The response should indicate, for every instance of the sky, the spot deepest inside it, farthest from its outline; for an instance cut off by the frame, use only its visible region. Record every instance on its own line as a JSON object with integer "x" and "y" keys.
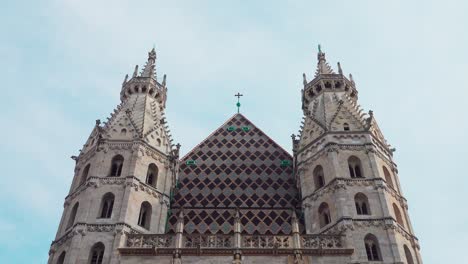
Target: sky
{"x": 62, "y": 63}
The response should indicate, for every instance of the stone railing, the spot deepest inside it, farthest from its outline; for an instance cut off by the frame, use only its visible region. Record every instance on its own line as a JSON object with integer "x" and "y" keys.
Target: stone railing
{"x": 150, "y": 241}
{"x": 265, "y": 241}
{"x": 321, "y": 241}
{"x": 208, "y": 241}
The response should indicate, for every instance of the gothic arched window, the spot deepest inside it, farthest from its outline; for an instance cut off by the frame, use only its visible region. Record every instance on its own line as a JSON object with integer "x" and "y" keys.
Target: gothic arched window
{"x": 152, "y": 175}
{"x": 116, "y": 166}
{"x": 388, "y": 177}
{"x": 71, "y": 218}
{"x": 97, "y": 253}
{"x": 346, "y": 127}
{"x": 61, "y": 259}
{"x": 324, "y": 214}
{"x": 158, "y": 142}
{"x": 372, "y": 248}
{"x": 399, "y": 219}
{"x": 84, "y": 175}
{"x": 107, "y": 205}
{"x": 354, "y": 165}
{"x": 362, "y": 204}
{"x": 319, "y": 179}
{"x": 144, "y": 217}
{"x": 409, "y": 257}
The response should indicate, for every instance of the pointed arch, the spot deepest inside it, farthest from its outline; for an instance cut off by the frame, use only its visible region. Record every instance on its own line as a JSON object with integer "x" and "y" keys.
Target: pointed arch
{"x": 362, "y": 204}
{"x": 319, "y": 179}
{"x": 388, "y": 177}
{"x": 97, "y": 253}
{"x": 107, "y": 204}
{"x": 116, "y": 166}
{"x": 144, "y": 217}
{"x": 346, "y": 127}
{"x": 372, "y": 248}
{"x": 72, "y": 216}
{"x": 61, "y": 259}
{"x": 84, "y": 174}
{"x": 152, "y": 175}
{"x": 409, "y": 257}
{"x": 324, "y": 214}
{"x": 398, "y": 216}
{"x": 355, "y": 168}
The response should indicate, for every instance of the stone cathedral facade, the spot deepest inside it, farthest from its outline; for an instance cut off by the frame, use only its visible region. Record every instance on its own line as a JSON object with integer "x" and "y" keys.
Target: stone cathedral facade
{"x": 237, "y": 197}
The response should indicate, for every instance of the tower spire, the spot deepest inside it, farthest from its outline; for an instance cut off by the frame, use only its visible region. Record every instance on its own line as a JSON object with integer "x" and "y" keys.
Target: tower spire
{"x": 149, "y": 69}
{"x": 322, "y": 65}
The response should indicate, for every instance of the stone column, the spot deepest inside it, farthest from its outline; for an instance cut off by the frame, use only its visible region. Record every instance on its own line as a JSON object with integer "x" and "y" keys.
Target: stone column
{"x": 179, "y": 238}
{"x": 237, "y": 239}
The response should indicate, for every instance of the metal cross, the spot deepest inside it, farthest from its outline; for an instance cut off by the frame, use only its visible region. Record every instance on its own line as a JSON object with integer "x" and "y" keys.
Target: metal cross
{"x": 238, "y": 95}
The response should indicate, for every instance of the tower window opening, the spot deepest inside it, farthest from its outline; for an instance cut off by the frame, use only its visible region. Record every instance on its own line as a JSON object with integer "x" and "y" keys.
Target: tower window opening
{"x": 318, "y": 88}
{"x": 362, "y": 204}
{"x": 372, "y": 248}
{"x": 136, "y": 89}
{"x": 144, "y": 217}
{"x": 388, "y": 177}
{"x": 144, "y": 89}
{"x": 346, "y": 127}
{"x": 311, "y": 93}
{"x": 338, "y": 85}
{"x": 107, "y": 205}
{"x": 399, "y": 219}
{"x": 158, "y": 142}
{"x": 354, "y": 165}
{"x": 61, "y": 259}
{"x": 123, "y": 132}
{"x": 116, "y": 166}
{"x": 152, "y": 175}
{"x": 84, "y": 175}
{"x": 319, "y": 179}
{"x": 71, "y": 218}
{"x": 409, "y": 257}
{"x": 328, "y": 85}
{"x": 97, "y": 253}
{"x": 324, "y": 214}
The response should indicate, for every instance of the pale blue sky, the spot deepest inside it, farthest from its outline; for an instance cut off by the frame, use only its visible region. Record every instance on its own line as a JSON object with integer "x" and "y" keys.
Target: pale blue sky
{"x": 62, "y": 63}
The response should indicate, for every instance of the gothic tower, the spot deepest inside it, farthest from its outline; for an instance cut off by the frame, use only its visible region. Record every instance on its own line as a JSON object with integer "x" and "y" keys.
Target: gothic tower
{"x": 124, "y": 176}
{"x": 346, "y": 173}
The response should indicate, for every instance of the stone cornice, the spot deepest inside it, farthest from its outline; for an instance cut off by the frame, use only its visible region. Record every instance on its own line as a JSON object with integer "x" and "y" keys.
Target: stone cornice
{"x": 83, "y": 228}
{"x": 131, "y": 181}
{"x": 341, "y": 184}
{"x": 344, "y": 224}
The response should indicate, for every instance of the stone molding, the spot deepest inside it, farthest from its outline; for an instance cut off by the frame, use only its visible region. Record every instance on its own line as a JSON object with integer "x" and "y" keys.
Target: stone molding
{"x": 131, "y": 181}
{"x": 342, "y": 183}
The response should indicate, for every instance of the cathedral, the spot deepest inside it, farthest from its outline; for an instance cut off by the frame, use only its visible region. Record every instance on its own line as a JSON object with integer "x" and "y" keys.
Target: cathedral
{"x": 237, "y": 197}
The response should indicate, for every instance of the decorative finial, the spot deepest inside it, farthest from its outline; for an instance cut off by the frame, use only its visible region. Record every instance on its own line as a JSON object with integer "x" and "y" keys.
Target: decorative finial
{"x": 304, "y": 79}
{"x": 238, "y": 95}
{"x": 340, "y": 71}
{"x": 125, "y": 79}
{"x": 135, "y": 72}
{"x": 351, "y": 78}
{"x": 319, "y": 48}
{"x": 164, "y": 80}
{"x": 98, "y": 122}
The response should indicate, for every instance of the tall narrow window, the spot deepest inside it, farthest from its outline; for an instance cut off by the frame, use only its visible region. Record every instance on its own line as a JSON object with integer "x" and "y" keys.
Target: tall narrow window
{"x": 107, "y": 205}
{"x": 318, "y": 177}
{"x": 372, "y": 248}
{"x": 346, "y": 127}
{"x": 145, "y": 215}
{"x": 324, "y": 214}
{"x": 71, "y": 218}
{"x": 116, "y": 166}
{"x": 61, "y": 259}
{"x": 388, "y": 177}
{"x": 97, "y": 253}
{"x": 354, "y": 165}
{"x": 399, "y": 219}
{"x": 84, "y": 175}
{"x": 152, "y": 175}
{"x": 362, "y": 204}
{"x": 409, "y": 257}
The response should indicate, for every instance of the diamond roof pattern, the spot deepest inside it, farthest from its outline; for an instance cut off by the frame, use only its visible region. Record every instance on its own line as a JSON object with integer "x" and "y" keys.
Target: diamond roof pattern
{"x": 237, "y": 166}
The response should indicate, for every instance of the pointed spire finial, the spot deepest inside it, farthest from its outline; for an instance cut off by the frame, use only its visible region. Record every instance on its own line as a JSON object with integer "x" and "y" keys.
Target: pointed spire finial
{"x": 340, "y": 71}
{"x": 150, "y": 67}
{"x": 135, "y": 72}
{"x": 304, "y": 79}
{"x": 164, "y": 80}
{"x": 125, "y": 79}
{"x": 319, "y": 48}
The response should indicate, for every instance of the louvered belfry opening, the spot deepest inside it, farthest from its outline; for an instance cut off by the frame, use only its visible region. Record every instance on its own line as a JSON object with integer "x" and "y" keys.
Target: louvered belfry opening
{"x": 237, "y": 166}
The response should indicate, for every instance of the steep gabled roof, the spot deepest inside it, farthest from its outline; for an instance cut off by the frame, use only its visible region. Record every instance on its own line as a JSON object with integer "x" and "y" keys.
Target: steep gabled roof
{"x": 237, "y": 166}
